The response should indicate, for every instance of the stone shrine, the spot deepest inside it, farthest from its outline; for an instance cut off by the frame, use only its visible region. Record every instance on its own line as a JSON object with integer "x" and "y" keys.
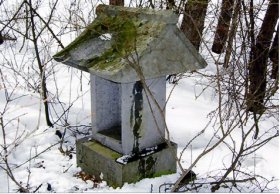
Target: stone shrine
{"x": 121, "y": 49}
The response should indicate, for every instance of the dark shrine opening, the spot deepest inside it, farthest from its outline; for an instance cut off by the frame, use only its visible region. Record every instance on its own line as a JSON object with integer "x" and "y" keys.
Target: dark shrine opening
{"x": 108, "y": 106}
{"x": 113, "y": 132}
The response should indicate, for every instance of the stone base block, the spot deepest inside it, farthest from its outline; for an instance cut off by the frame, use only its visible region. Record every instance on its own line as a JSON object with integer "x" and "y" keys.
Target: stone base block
{"x": 116, "y": 169}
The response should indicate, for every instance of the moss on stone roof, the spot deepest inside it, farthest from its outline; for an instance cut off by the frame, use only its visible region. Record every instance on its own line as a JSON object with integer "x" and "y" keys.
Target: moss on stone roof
{"x": 126, "y": 29}
{"x": 120, "y": 33}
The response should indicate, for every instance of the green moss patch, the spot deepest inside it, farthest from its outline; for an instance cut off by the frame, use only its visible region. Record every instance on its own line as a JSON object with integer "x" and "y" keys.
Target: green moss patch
{"x": 123, "y": 41}
{"x": 126, "y": 31}
{"x": 162, "y": 173}
{"x": 106, "y": 152}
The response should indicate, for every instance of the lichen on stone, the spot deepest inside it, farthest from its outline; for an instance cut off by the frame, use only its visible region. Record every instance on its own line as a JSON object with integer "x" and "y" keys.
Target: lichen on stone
{"x": 128, "y": 34}
{"x": 139, "y": 36}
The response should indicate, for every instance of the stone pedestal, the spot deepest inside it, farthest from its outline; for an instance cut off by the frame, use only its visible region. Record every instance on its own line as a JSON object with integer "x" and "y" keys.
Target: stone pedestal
{"x": 116, "y": 169}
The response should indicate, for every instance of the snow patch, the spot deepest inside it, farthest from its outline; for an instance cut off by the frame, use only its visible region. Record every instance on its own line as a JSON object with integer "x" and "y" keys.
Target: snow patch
{"x": 145, "y": 152}
{"x": 106, "y": 36}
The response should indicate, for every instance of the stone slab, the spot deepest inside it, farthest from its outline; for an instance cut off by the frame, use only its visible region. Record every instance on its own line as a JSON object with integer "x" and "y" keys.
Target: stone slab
{"x": 95, "y": 159}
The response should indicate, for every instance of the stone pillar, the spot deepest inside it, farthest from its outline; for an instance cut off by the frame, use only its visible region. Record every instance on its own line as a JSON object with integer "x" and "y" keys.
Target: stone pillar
{"x": 139, "y": 129}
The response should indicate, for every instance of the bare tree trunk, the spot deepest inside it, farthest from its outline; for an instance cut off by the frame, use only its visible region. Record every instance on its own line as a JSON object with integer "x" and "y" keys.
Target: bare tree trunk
{"x": 193, "y": 20}
{"x": 170, "y": 4}
{"x": 221, "y": 33}
{"x": 274, "y": 55}
{"x": 258, "y": 64}
{"x": 117, "y": 2}
{"x": 1, "y": 38}
{"x": 232, "y": 34}
{"x": 41, "y": 67}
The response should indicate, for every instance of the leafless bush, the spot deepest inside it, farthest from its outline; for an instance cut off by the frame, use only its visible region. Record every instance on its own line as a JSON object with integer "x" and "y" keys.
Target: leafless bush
{"x": 31, "y": 31}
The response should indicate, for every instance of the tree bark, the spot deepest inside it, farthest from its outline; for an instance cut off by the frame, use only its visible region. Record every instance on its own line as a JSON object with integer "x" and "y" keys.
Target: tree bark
{"x": 258, "y": 64}
{"x": 193, "y": 20}
{"x": 274, "y": 55}
{"x": 1, "y": 38}
{"x": 221, "y": 34}
{"x": 117, "y": 2}
{"x": 170, "y": 4}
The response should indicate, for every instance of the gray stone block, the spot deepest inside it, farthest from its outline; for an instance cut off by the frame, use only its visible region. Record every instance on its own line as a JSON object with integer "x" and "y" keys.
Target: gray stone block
{"x": 95, "y": 159}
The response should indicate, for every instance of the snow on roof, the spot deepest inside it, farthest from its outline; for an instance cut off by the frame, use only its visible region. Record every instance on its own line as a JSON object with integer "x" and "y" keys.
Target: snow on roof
{"x": 121, "y": 37}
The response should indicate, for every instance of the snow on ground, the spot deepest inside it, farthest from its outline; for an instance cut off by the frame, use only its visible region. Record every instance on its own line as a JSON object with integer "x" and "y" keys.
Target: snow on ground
{"x": 51, "y": 171}
{"x": 36, "y": 159}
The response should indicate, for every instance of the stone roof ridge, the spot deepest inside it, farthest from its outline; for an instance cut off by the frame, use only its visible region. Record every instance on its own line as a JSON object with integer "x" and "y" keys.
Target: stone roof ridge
{"x": 166, "y": 16}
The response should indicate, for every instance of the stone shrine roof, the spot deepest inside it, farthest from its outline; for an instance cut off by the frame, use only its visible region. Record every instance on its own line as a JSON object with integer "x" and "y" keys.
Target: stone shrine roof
{"x": 120, "y": 37}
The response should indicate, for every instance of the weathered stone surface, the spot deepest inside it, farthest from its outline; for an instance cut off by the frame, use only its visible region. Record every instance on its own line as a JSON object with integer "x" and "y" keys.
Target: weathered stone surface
{"x": 121, "y": 116}
{"x": 120, "y": 36}
{"x": 123, "y": 123}
{"x": 95, "y": 159}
